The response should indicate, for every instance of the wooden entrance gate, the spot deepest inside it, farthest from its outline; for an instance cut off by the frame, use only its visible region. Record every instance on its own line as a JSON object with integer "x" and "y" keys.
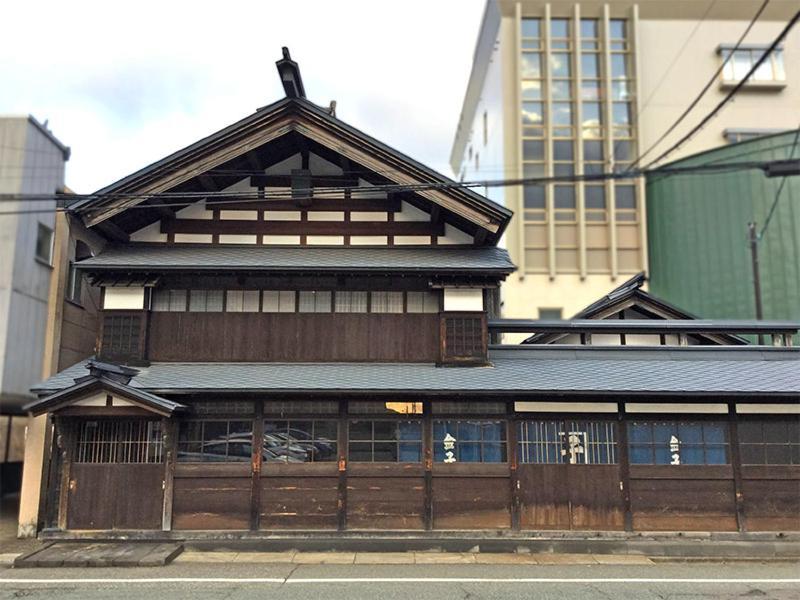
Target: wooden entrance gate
{"x": 569, "y": 475}
{"x": 116, "y": 475}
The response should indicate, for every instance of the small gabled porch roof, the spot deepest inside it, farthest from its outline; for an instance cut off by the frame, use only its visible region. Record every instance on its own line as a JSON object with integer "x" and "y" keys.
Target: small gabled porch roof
{"x": 110, "y": 381}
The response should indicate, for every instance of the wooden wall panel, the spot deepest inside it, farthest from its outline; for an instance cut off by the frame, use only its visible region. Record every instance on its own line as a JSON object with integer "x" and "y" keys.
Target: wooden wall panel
{"x": 471, "y": 503}
{"x": 211, "y": 503}
{"x": 140, "y": 496}
{"x": 302, "y": 502}
{"x": 771, "y": 497}
{"x": 544, "y": 496}
{"x": 595, "y": 497}
{"x": 683, "y": 499}
{"x": 115, "y": 496}
{"x": 385, "y": 502}
{"x": 89, "y": 491}
{"x": 580, "y": 497}
{"x": 293, "y": 337}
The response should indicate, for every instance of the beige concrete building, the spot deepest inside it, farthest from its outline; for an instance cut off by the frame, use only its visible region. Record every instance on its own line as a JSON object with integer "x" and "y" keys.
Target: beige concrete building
{"x": 561, "y": 88}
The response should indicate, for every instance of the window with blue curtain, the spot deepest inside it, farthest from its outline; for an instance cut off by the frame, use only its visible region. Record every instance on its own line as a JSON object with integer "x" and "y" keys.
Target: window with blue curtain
{"x": 469, "y": 441}
{"x": 678, "y": 442}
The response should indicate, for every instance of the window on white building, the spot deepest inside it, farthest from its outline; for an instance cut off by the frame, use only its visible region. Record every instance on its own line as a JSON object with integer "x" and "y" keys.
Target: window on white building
{"x": 740, "y": 61}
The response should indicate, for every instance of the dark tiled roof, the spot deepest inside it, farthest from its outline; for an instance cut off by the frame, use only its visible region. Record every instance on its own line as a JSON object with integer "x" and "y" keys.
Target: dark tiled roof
{"x": 301, "y": 258}
{"x": 516, "y": 369}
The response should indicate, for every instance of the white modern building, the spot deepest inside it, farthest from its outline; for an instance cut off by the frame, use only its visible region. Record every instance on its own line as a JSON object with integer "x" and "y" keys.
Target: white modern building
{"x": 561, "y": 88}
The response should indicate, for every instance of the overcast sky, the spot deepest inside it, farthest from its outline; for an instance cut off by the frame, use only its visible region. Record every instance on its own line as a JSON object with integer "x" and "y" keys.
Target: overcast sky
{"x": 125, "y": 84}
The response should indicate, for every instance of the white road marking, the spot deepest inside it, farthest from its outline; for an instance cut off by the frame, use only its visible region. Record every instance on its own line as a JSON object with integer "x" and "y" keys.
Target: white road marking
{"x": 280, "y": 580}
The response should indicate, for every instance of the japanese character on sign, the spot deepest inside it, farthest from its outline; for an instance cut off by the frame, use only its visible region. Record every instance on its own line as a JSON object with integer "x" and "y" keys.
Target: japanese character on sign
{"x": 675, "y": 448}
{"x": 449, "y": 446}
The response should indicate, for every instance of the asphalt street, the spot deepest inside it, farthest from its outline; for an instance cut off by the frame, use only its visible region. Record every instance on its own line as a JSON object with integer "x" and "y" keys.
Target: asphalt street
{"x": 780, "y": 581}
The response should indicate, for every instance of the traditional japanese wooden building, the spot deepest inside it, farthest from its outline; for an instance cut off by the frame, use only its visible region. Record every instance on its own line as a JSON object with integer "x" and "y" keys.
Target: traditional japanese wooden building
{"x": 295, "y": 335}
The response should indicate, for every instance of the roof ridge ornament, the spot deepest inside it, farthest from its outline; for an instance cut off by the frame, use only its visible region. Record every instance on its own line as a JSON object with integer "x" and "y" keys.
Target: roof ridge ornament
{"x": 110, "y": 371}
{"x": 289, "y": 72}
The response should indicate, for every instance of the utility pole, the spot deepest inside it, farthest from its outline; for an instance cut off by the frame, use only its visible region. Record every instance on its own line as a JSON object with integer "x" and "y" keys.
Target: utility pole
{"x": 756, "y": 277}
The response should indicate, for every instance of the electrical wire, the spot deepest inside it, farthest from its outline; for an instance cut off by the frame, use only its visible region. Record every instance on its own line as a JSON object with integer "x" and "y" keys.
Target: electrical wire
{"x": 730, "y": 94}
{"x": 220, "y": 199}
{"x": 708, "y": 85}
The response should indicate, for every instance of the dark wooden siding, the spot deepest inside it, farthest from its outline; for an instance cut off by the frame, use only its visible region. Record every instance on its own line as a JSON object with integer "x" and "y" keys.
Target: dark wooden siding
{"x": 684, "y": 498}
{"x": 302, "y": 496}
{"x": 208, "y": 496}
{"x": 471, "y": 496}
{"x": 771, "y": 497}
{"x": 116, "y": 496}
{"x": 581, "y": 497}
{"x": 385, "y": 496}
{"x": 293, "y": 337}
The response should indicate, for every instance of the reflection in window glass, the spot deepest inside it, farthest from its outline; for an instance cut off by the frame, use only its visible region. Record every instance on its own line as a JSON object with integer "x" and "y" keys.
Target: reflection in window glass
{"x": 678, "y": 443}
{"x": 300, "y": 441}
{"x": 592, "y": 116}
{"x": 590, "y": 90}
{"x": 531, "y": 90}
{"x": 621, "y": 113}
{"x": 532, "y": 113}
{"x": 469, "y": 441}
{"x": 590, "y": 65}
{"x": 593, "y": 150}
{"x": 618, "y": 29}
{"x": 561, "y": 90}
{"x": 560, "y": 64}
{"x": 559, "y": 28}
{"x": 385, "y": 441}
{"x": 619, "y": 66}
{"x": 215, "y": 441}
{"x": 531, "y": 28}
{"x": 562, "y": 113}
{"x": 531, "y": 65}
{"x": 588, "y": 28}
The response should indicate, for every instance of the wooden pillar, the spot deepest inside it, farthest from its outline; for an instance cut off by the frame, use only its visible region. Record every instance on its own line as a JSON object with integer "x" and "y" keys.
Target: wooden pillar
{"x": 64, "y": 441}
{"x": 512, "y": 464}
{"x": 341, "y": 504}
{"x": 736, "y": 463}
{"x": 427, "y": 450}
{"x": 624, "y": 464}
{"x": 170, "y": 441}
{"x": 256, "y": 460}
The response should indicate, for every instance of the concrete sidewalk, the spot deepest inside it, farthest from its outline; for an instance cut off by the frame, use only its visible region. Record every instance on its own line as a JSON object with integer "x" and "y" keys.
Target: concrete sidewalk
{"x": 408, "y": 558}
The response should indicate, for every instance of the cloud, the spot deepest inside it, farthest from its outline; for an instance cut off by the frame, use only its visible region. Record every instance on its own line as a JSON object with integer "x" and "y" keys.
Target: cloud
{"x": 124, "y": 85}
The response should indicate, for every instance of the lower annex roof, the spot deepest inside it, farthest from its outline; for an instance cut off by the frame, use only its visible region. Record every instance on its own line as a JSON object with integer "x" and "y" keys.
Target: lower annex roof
{"x": 515, "y": 370}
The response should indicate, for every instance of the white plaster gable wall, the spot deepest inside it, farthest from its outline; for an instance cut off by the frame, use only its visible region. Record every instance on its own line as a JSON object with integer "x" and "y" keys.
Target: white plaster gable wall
{"x": 151, "y": 233}
{"x": 198, "y": 210}
{"x": 411, "y": 213}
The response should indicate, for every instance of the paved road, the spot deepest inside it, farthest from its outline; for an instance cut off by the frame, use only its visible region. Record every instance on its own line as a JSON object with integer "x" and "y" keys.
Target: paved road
{"x": 747, "y": 581}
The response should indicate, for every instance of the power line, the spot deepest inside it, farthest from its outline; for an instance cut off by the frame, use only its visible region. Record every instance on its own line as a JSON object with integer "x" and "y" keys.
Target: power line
{"x": 780, "y": 189}
{"x": 730, "y": 94}
{"x": 220, "y": 199}
{"x": 708, "y": 85}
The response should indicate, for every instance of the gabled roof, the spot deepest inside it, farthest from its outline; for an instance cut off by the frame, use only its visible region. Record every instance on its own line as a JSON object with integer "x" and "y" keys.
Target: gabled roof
{"x": 158, "y": 258}
{"x": 87, "y": 386}
{"x": 270, "y": 123}
{"x": 631, "y": 295}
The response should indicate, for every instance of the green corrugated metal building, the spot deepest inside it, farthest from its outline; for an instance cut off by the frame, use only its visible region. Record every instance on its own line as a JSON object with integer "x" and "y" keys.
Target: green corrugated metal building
{"x": 698, "y": 236}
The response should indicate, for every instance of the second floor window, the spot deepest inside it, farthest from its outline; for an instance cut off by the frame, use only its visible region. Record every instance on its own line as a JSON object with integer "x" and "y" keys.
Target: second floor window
{"x": 742, "y": 60}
